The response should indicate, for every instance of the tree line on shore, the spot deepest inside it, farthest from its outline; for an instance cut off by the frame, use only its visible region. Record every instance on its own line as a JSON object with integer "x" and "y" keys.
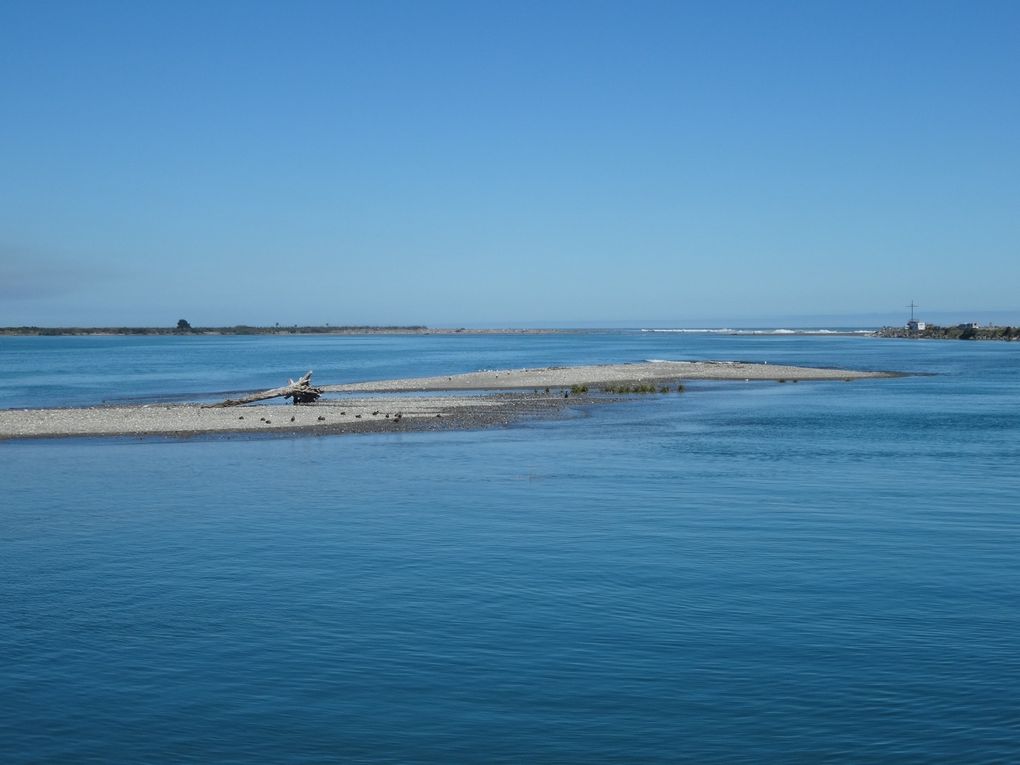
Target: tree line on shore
{"x": 184, "y": 328}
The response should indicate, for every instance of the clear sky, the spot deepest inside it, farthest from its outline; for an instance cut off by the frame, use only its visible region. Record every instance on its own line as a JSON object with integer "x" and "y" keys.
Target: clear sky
{"x": 479, "y": 163}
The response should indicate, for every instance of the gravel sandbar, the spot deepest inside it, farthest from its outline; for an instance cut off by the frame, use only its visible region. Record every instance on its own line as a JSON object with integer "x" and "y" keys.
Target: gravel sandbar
{"x": 606, "y": 374}
{"x": 349, "y": 414}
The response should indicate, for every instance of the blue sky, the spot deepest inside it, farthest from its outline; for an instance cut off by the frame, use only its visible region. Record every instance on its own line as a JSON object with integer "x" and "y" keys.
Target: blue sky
{"x": 483, "y": 163}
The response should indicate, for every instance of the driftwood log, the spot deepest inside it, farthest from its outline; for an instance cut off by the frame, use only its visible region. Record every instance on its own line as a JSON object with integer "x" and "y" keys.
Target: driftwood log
{"x": 301, "y": 391}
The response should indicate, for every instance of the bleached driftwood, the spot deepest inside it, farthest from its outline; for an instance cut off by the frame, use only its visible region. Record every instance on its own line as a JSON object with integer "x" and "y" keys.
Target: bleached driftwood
{"x": 301, "y": 391}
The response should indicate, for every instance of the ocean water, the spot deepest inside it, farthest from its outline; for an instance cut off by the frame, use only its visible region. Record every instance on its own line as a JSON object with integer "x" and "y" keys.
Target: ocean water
{"x": 747, "y": 572}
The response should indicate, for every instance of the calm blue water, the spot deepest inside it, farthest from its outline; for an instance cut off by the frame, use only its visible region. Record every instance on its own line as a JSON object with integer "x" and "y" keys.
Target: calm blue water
{"x": 746, "y": 572}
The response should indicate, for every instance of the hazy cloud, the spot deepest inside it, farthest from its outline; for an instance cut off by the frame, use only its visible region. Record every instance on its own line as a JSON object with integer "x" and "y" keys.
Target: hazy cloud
{"x": 31, "y": 275}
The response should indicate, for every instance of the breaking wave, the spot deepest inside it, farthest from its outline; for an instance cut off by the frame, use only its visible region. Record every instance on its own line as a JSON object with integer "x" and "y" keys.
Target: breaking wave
{"x": 767, "y": 331}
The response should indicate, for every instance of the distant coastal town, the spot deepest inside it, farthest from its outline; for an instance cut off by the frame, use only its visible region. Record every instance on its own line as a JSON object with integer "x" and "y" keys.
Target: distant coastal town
{"x": 918, "y": 329}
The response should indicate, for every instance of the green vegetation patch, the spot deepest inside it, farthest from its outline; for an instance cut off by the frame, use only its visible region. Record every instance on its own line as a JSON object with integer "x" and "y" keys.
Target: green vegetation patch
{"x": 639, "y": 388}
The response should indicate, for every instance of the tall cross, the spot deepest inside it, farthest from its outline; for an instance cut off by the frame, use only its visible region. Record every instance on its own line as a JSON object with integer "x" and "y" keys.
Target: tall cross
{"x": 912, "y": 306}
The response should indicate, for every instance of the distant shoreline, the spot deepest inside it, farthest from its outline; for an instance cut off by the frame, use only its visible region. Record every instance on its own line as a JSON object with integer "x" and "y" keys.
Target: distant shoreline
{"x": 954, "y": 332}
{"x": 32, "y": 331}
{"x": 932, "y": 332}
{"x": 244, "y": 330}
